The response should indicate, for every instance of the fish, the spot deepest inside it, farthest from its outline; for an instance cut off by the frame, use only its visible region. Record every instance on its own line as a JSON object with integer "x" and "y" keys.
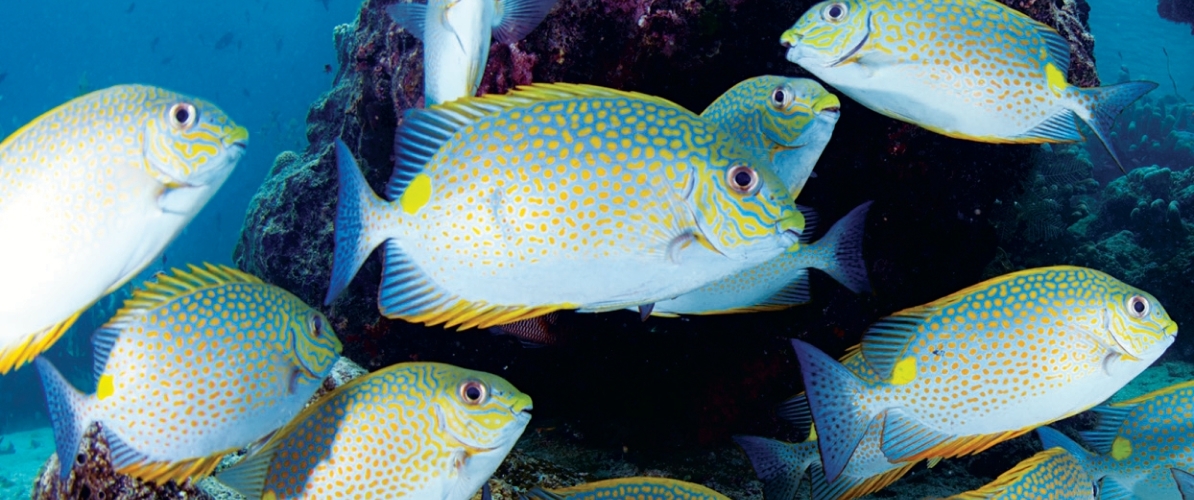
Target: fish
{"x": 556, "y": 196}
{"x": 196, "y": 364}
{"x": 970, "y": 69}
{"x": 1136, "y": 442}
{"x": 535, "y": 332}
{"x": 415, "y": 430}
{"x": 791, "y": 119}
{"x": 1185, "y": 483}
{"x": 638, "y": 488}
{"x": 91, "y": 192}
{"x": 225, "y": 40}
{"x": 1052, "y": 474}
{"x": 781, "y": 466}
{"x": 456, "y": 37}
{"x": 985, "y": 364}
{"x": 783, "y": 281}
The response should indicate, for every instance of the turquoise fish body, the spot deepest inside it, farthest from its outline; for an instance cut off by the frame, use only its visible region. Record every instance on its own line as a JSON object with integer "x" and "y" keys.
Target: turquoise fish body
{"x": 197, "y": 364}
{"x": 557, "y": 196}
{"x": 985, "y": 364}
{"x": 971, "y": 69}
{"x": 1136, "y": 443}
{"x": 790, "y": 119}
{"x": 1052, "y": 474}
{"x": 639, "y": 488}
{"x": 91, "y": 192}
{"x": 412, "y": 430}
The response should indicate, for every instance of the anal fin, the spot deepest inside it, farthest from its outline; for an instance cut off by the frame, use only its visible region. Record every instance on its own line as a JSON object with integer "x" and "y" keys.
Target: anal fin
{"x": 906, "y": 439}
{"x": 409, "y": 294}
{"x": 849, "y": 487}
{"x": 30, "y": 346}
{"x": 1061, "y": 127}
{"x": 131, "y": 462}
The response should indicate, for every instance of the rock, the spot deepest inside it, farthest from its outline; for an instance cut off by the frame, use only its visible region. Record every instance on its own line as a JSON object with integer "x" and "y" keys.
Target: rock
{"x": 93, "y": 477}
{"x": 1178, "y": 11}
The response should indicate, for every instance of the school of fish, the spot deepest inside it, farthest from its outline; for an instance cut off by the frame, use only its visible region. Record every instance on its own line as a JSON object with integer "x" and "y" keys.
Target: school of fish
{"x": 503, "y": 210}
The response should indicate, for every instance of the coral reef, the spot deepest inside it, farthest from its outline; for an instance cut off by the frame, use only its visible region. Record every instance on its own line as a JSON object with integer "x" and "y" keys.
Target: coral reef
{"x": 1178, "y": 11}
{"x": 1153, "y": 131}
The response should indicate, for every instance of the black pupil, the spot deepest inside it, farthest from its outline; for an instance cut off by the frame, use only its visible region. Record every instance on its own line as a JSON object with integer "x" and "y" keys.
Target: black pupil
{"x": 835, "y": 11}
{"x": 472, "y": 393}
{"x": 779, "y": 96}
{"x": 318, "y": 326}
{"x": 1138, "y": 305}
{"x": 181, "y": 114}
{"x": 742, "y": 179}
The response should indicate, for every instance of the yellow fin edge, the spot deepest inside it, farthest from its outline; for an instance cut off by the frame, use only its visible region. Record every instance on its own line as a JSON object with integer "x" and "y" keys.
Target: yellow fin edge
{"x": 29, "y": 347}
{"x": 162, "y": 472}
{"x": 463, "y": 314}
{"x": 876, "y": 483}
{"x": 968, "y": 445}
{"x": 1001, "y": 483}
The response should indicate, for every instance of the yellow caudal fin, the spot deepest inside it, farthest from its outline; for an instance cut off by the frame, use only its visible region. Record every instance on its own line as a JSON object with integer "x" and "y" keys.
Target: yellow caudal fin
{"x": 30, "y": 346}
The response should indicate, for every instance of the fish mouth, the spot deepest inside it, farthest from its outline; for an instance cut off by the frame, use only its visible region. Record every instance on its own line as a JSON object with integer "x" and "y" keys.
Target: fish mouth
{"x": 238, "y": 138}
{"x": 841, "y": 60}
{"x": 828, "y": 105}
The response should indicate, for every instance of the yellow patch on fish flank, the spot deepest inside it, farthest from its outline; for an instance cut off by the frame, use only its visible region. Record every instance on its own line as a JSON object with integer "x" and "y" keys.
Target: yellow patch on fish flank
{"x": 105, "y": 388}
{"x": 417, "y": 194}
{"x": 1121, "y": 448}
{"x": 1056, "y": 79}
{"x": 904, "y": 372}
{"x": 269, "y": 495}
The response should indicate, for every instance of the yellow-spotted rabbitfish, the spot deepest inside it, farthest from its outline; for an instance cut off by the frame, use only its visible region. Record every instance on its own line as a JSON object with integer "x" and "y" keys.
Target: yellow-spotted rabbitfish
{"x": 638, "y": 488}
{"x": 1052, "y": 474}
{"x": 985, "y": 364}
{"x": 791, "y": 119}
{"x": 456, "y": 38}
{"x": 413, "y": 430}
{"x": 1136, "y": 443}
{"x": 197, "y": 364}
{"x": 554, "y": 197}
{"x": 783, "y": 281}
{"x": 90, "y": 193}
{"x": 971, "y": 69}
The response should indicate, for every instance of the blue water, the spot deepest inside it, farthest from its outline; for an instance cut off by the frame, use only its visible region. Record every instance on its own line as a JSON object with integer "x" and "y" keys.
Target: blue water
{"x": 265, "y": 74}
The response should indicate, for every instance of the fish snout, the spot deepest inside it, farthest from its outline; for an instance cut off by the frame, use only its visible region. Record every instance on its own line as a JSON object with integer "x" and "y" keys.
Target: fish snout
{"x": 828, "y": 105}
{"x": 237, "y": 138}
{"x": 790, "y": 38}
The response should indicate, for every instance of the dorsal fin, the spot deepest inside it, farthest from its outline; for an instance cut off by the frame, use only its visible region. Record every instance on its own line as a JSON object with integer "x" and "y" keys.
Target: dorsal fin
{"x": 164, "y": 288}
{"x": 1056, "y": 47}
{"x": 425, "y": 131}
{"x": 886, "y": 341}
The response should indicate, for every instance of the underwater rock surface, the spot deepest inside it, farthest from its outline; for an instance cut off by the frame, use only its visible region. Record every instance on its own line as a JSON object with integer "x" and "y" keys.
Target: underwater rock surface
{"x": 1178, "y": 11}
{"x": 664, "y": 388}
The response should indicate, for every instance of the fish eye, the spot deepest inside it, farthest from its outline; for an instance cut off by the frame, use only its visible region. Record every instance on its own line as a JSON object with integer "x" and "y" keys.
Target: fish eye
{"x": 473, "y": 392}
{"x": 779, "y": 98}
{"x": 835, "y": 12}
{"x": 742, "y": 179}
{"x": 317, "y": 326}
{"x": 183, "y": 116}
{"x": 1138, "y": 306}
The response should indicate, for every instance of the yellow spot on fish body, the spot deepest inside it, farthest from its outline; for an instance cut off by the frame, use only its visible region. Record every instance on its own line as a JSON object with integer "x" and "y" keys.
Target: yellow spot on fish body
{"x": 904, "y": 372}
{"x": 1121, "y": 448}
{"x": 269, "y": 495}
{"x": 1056, "y": 79}
{"x": 417, "y": 194}
{"x": 812, "y": 432}
{"x": 105, "y": 388}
